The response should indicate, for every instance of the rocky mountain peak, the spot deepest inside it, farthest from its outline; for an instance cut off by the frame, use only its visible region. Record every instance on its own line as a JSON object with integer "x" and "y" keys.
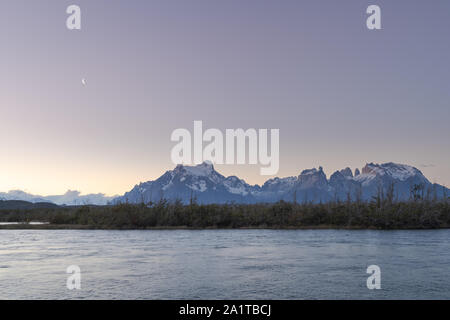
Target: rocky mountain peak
{"x": 347, "y": 172}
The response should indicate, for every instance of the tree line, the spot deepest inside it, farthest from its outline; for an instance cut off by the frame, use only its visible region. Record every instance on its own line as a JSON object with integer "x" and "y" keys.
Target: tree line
{"x": 380, "y": 213}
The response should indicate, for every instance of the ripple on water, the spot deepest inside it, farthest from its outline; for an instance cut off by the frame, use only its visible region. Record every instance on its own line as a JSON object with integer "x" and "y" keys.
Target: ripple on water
{"x": 224, "y": 264}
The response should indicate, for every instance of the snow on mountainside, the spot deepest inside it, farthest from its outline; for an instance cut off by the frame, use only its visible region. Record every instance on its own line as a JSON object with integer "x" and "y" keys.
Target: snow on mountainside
{"x": 279, "y": 184}
{"x": 399, "y": 172}
{"x": 204, "y": 184}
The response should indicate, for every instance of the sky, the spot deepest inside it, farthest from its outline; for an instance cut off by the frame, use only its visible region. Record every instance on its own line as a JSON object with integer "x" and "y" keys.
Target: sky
{"x": 340, "y": 94}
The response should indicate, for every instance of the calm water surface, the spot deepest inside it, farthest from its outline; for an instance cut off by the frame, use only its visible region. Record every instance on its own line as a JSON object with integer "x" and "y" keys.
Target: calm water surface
{"x": 224, "y": 264}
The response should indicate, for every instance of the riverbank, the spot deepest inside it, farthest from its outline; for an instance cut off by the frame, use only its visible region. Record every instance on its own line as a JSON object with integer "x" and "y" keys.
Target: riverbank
{"x": 281, "y": 215}
{"x": 92, "y": 227}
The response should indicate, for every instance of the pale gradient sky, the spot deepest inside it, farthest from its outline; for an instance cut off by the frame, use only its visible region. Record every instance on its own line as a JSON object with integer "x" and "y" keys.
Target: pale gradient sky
{"x": 340, "y": 94}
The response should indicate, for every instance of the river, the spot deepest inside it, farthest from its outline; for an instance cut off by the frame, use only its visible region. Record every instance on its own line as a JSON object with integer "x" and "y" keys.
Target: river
{"x": 224, "y": 264}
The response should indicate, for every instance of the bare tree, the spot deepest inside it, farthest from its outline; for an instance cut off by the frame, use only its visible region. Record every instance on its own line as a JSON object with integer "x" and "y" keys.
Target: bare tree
{"x": 390, "y": 193}
{"x": 358, "y": 194}
{"x": 416, "y": 192}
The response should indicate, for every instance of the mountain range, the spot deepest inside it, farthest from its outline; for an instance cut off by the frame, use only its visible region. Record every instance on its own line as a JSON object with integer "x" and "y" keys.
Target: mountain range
{"x": 204, "y": 184}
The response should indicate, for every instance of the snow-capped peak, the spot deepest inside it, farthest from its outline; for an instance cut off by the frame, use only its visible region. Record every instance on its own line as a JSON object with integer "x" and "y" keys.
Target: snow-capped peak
{"x": 208, "y": 186}
{"x": 397, "y": 171}
{"x": 204, "y": 169}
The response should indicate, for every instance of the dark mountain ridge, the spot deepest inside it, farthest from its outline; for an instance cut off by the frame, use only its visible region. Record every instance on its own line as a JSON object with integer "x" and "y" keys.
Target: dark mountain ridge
{"x": 204, "y": 184}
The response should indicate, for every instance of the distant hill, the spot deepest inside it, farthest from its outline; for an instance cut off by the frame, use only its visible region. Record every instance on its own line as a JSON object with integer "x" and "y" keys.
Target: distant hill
{"x": 70, "y": 198}
{"x": 25, "y": 205}
{"x": 204, "y": 184}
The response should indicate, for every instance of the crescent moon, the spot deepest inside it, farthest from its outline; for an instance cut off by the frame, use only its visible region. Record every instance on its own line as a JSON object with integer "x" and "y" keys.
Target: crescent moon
{"x": 83, "y": 82}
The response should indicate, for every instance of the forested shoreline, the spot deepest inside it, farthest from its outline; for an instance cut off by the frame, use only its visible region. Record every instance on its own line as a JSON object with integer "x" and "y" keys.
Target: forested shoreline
{"x": 163, "y": 214}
